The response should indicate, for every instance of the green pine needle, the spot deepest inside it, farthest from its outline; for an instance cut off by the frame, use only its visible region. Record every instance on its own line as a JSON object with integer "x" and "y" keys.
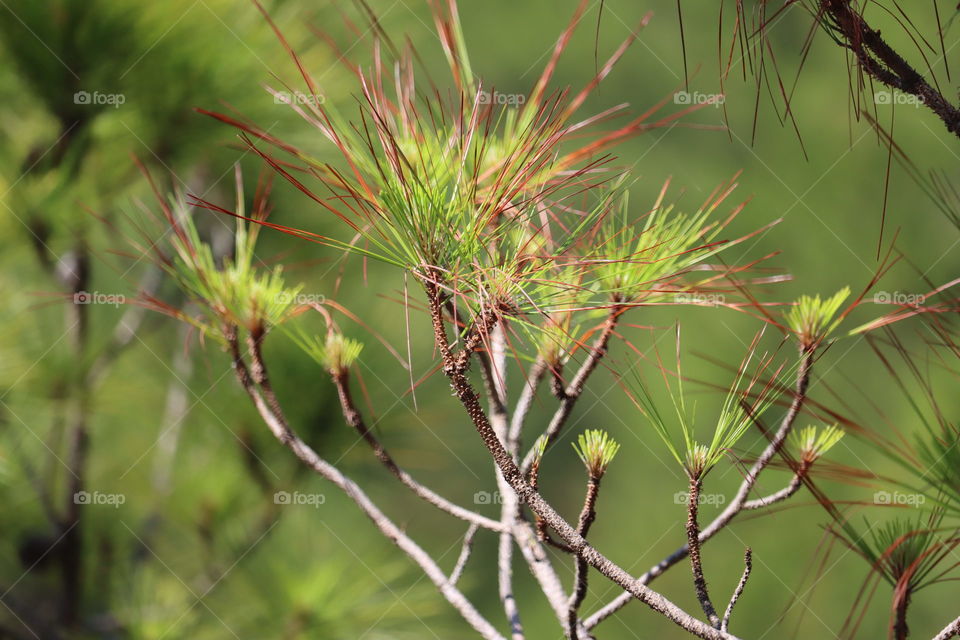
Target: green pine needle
{"x": 812, "y": 319}
{"x": 336, "y": 353}
{"x": 812, "y": 443}
{"x": 732, "y": 422}
{"x": 539, "y": 448}
{"x": 236, "y": 293}
{"x": 643, "y": 260}
{"x": 596, "y": 449}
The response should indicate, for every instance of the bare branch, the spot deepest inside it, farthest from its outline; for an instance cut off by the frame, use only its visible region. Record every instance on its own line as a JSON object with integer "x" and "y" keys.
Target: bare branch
{"x": 278, "y": 425}
{"x": 354, "y": 418}
{"x": 511, "y": 511}
{"x": 465, "y": 551}
{"x": 747, "y": 567}
{"x": 541, "y": 568}
{"x": 796, "y": 481}
{"x": 949, "y": 631}
{"x": 495, "y": 376}
{"x": 737, "y": 504}
{"x": 524, "y": 402}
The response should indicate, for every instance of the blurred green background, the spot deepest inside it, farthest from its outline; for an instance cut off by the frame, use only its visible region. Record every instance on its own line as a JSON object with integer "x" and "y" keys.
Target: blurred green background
{"x": 197, "y": 549}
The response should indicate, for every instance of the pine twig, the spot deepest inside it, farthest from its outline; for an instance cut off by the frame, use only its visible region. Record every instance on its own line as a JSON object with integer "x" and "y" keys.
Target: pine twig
{"x": 737, "y": 504}
{"x": 278, "y": 425}
{"x": 355, "y": 419}
{"x": 465, "y": 551}
{"x": 747, "y": 567}
{"x": 587, "y": 515}
{"x": 949, "y": 631}
{"x": 883, "y": 63}
{"x": 455, "y": 367}
{"x": 693, "y": 546}
{"x": 572, "y": 392}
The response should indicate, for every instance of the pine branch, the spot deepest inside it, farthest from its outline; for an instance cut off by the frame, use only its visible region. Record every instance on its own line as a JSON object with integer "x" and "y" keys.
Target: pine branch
{"x": 737, "y": 504}
{"x": 280, "y": 428}
{"x": 879, "y": 60}
{"x": 587, "y": 515}
{"x": 951, "y": 630}
{"x": 796, "y": 481}
{"x": 573, "y": 390}
{"x": 465, "y": 550}
{"x": 355, "y": 419}
{"x": 455, "y": 367}
{"x": 747, "y": 567}
{"x": 693, "y": 546}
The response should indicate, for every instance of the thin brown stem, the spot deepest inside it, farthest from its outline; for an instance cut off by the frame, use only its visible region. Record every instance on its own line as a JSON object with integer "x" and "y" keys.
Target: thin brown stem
{"x": 693, "y": 544}
{"x": 573, "y": 390}
{"x": 901, "y": 631}
{"x": 278, "y": 425}
{"x": 587, "y": 515}
{"x": 738, "y": 503}
{"x": 465, "y": 550}
{"x": 747, "y": 567}
{"x": 881, "y": 62}
{"x": 355, "y": 420}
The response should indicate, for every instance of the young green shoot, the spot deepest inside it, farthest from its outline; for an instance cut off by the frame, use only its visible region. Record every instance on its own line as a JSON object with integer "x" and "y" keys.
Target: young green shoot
{"x": 643, "y": 260}
{"x": 813, "y": 319}
{"x": 235, "y": 291}
{"x": 811, "y": 443}
{"x": 336, "y": 353}
{"x": 745, "y": 402}
{"x": 596, "y": 450}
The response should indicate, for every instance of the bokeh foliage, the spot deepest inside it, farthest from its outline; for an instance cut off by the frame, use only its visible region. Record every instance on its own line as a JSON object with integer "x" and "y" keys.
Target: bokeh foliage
{"x": 209, "y": 532}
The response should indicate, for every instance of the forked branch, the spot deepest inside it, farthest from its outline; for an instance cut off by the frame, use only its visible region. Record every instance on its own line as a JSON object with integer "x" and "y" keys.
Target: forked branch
{"x": 572, "y": 392}
{"x": 271, "y": 414}
{"x": 455, "y": 367}
{"x": 355, "y": 419}
{"x": 739, "y": 503}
